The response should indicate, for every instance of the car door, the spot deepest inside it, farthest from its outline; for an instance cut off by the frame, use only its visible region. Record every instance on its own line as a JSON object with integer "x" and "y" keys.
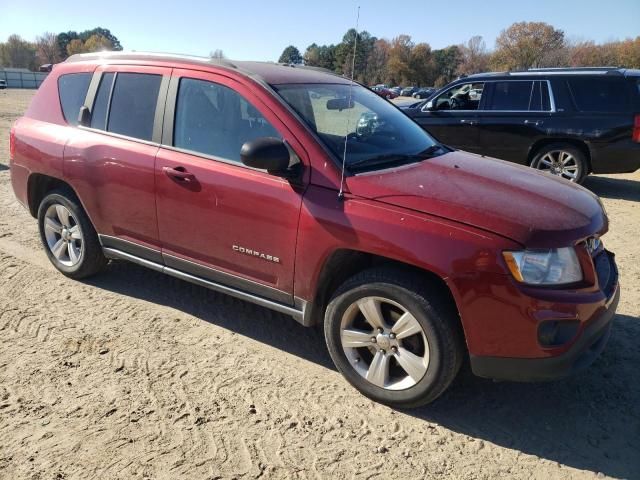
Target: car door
{"x": 516, "y": 114}
{"x": 452, "y": 116}
{"x": 110, "y": 160}
{"x": 218, "y": 219}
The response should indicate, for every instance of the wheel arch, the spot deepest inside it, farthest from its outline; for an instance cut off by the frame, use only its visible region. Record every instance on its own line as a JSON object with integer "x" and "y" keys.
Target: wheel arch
{"x": 545, "y": 142}
{"x": 39, "y": 185}
{"x": 345, "y": 263}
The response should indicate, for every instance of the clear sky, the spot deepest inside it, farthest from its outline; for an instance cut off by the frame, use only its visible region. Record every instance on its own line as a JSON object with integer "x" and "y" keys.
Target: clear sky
{"x": 260, "y": 29}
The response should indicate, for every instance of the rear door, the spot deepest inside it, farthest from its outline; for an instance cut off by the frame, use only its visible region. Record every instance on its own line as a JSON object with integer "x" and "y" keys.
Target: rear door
{"x": 454, "y": 117}
{"x": 110, "y": 162}
{"x": 217, "y": 218}
{"x": 515, "y": 114}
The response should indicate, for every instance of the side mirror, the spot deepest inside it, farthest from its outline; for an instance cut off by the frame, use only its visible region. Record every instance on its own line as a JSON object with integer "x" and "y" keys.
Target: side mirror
{"x": 84, "y": 116}
{"x": 430, "y": 106}
{"x": 266, "y": 153}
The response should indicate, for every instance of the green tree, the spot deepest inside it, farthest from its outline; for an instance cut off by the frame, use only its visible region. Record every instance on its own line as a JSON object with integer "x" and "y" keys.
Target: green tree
{"x": 18, "y": 53}
{"x": 97, "y": 43}
{"x": 290, "y": 55}
{"x": 65, "y": 38}
{"x": 446, "y": 62}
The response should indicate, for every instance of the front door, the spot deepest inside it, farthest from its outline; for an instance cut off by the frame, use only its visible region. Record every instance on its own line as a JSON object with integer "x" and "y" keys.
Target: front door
{"x": 218, "y": 219}
{"x": 453, "y": 119}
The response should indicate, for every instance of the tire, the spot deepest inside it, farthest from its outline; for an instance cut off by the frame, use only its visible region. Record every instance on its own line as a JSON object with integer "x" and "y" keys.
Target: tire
{"x": 433, "y": 320}
{"x": 563, "y": 160}
{"x": 78, "y": 253}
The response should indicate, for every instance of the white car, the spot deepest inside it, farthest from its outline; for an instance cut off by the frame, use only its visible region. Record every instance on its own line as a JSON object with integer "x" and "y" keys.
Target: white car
{"x": 3, "y": 84}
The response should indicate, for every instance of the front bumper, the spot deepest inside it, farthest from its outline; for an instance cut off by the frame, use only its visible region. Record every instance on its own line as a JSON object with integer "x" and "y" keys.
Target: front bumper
{"x": 582, "y": 353}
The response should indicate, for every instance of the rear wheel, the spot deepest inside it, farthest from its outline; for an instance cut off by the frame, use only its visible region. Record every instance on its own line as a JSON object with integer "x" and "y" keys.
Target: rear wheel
{"x": 69, "y": 239}
{"x": 563, "y": 160}
{"x": 396, "y": 341}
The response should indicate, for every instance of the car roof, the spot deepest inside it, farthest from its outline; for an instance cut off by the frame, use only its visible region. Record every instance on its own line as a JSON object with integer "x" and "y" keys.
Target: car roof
{"x": 545, "y": 72}
{"x": 269, "y": 72}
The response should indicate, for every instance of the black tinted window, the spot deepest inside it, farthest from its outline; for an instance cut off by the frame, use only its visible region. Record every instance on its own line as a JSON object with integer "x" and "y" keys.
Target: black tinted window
{"x": 540, "y": 97}
{"x": 214, "y": 120}
{"x": 599, "y": 94}
{"x": 133, "y": 104}
{"x": 511, "y": 95}
{"x": 101, "y": 104}
{"x": 72, "y": 89}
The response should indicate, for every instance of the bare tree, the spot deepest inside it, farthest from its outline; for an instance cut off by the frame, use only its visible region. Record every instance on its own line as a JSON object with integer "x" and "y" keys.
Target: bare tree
{"x": 217, "y": 53}
{"x": 527, "y": 44}
{"x": 475, "y": 58}
{"x": 47, "y": 50}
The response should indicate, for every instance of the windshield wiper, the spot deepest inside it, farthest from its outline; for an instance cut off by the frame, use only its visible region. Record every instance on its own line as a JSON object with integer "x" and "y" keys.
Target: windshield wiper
{"x": 395, "y": 158}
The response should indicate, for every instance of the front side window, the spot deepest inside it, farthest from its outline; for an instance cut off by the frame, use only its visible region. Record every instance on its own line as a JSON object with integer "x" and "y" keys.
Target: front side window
{"x": 215, "y": 120}
{"x": 376, "y": 133}
{"x": 72, "y": 89}
{"x": 466, "y": 96}
{"x": 133, "y": 104}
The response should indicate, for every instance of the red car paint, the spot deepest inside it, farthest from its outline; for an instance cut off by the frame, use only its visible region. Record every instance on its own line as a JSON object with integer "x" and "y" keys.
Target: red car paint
{"x": 452, "y": 216}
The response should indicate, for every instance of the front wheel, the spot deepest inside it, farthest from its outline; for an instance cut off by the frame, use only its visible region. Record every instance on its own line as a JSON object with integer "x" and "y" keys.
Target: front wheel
{"x": 69, "y": 239}
{"x": 565, "y": 161}
{"x": 394, "y": 340}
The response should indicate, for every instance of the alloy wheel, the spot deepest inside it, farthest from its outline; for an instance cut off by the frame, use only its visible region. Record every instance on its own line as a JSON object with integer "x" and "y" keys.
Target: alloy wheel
{"x": 63, "y": 234}
{"x": 560, "y": 163}
{"x": 384, "y": 343}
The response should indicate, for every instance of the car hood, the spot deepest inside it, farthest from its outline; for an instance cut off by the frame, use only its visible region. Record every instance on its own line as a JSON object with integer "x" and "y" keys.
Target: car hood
{"x": 533, "y": 208}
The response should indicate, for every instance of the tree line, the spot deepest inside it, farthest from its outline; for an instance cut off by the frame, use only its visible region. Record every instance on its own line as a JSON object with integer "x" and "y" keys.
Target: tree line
{"x": 49, "y": 47}
{"x": 401, "y": 61}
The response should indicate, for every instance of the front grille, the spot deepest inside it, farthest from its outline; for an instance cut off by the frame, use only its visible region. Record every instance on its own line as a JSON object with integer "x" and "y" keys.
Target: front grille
{"x": 606, "y": 271}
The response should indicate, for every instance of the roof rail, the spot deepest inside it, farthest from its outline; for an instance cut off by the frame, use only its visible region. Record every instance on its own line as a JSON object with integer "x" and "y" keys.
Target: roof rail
{"x": 133, "y": 55}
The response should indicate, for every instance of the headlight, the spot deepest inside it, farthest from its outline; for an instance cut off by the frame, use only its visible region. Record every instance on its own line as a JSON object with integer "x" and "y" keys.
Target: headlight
{"x": 544, "y": 267}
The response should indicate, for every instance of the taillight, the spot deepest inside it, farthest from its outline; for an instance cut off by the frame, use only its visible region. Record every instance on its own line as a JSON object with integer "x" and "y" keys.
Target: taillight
{"x": 12, "y": 143}
{"x": 635, "y": 136}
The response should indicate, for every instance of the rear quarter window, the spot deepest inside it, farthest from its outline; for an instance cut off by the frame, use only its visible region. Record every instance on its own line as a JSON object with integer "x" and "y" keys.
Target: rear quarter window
{"x": 72, "y": 90}
{"x": 599, "y": 94}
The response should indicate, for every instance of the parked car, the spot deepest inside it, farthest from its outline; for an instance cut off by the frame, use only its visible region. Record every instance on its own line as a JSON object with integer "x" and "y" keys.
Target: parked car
{"x": 384, "y": 92}
{"x": 408, "y": 91}
{"x": 396, "y": 90}
{"x": 230, "y": 175}
{"x": 424, "y": 92}
{"x": 568, "y": 122}
{"x": 3, "y": 84}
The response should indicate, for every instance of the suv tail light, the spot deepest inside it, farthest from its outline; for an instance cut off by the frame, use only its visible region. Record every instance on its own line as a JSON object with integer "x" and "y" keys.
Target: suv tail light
{"x": 635, "y": 136}
{"x": 12, "y": 144}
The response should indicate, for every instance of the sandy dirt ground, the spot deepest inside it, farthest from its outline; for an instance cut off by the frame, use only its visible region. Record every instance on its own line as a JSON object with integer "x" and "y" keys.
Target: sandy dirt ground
{"x": 137, "y": 375}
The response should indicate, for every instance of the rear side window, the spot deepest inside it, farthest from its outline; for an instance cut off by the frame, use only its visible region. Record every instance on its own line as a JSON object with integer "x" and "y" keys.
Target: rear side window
{"x": 540, "y": 97}
{"x": 215, "y": 120}
{"x": 101, "y": 104}
{"x": 133, "y": 104}
{"x": 599, "y": 94}
{"x": 72, "y": 89}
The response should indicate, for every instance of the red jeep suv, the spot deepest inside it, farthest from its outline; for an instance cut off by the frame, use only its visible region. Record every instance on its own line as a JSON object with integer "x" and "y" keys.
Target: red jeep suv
{"x": 305, "y": 193}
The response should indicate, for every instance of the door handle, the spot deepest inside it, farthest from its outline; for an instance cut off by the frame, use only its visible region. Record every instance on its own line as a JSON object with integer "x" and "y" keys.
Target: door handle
{"x": 179, "y": 173}
{"x": 464, "y": 121}
{"x": 537, "y": 123}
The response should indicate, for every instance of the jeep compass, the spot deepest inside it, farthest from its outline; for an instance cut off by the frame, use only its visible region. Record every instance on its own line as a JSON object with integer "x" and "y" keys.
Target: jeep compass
{"x": 302, "y": 192}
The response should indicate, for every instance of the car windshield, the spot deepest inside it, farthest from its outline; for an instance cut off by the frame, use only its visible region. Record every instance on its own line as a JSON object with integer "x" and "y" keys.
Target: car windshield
{"x": 377, "y": 134}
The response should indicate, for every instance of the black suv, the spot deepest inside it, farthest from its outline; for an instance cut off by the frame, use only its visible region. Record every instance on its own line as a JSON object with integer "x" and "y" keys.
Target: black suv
{"x": 568, "y": 121}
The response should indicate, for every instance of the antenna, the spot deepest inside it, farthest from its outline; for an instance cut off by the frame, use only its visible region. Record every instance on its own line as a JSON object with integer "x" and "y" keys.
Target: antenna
{"x": 346, "y": 136}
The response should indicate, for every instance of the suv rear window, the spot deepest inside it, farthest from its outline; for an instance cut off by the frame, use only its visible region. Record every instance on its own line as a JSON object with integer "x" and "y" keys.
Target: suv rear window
{"x": 72, "y": 89}
{"x": 599, "y": 94}
{"x": 133, "y": 104}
